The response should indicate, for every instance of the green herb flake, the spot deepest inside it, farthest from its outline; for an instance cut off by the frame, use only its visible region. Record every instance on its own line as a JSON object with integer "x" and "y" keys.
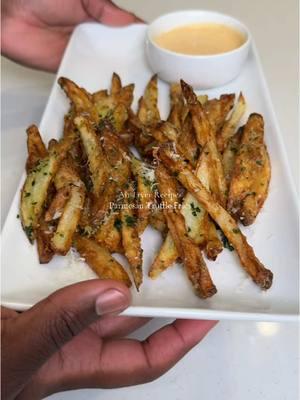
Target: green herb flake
{"x": 118, "y": 224}
{"x": 27, "y": 194}
{"x": 225, "y": 242}
{"x": 18, "y": 216}
{"x": 236, "y": 230}
{"x": 130, "y": 220}
{"x": 259, "y": 162}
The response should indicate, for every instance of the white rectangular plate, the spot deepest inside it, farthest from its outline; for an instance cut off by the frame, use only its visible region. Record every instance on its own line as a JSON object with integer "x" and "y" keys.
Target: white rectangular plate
{"x": 94, "y": 52}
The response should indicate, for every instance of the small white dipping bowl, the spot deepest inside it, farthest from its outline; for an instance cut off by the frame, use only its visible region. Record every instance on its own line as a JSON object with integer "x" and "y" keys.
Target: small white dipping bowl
{"x": 200, "y": 71}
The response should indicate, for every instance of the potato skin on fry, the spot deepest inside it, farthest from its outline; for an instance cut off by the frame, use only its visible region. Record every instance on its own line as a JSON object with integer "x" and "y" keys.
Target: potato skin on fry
{"x": 100, "y": 260}
{"x": 130, "y": 238}
{"x": 35, "y": 147}
{"x": 251, "y": 174}
{"x": 167, "y": 255}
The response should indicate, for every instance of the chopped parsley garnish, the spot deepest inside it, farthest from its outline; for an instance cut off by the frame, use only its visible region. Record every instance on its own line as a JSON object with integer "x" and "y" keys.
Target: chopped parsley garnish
{"x": 259, "y": 162}
{"x": 195, "y": 210}
{"x": 29, "y": 232}
{"x": 118, "y": 224}
{"x": 225, "y": 242}
{"x": 130, "y": 220}
{"x": 236, "y": 230}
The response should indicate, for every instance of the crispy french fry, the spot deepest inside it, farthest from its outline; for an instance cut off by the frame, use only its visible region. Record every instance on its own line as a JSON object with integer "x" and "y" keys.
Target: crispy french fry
{"x": 35, "y": 147}
{"x": 260, "y": 275}
{"x": 116, "y": 84}
{"x": 206, "y": 138}
{"x": 80, "y": 98}
{"x": 213, "y": 244}
{"x": 146, "y": 185}
{"x": 57, "y": 204}
{"x": 167, "y": 255}
{"x": 189, "y": 252}
{"x": 251, "y": 174}
{"x": 118, "y": 171}
{"x": 148, "y": 112}
{"x": 67, "y": 224}
{"x": 130, "y": 239}
{"x": 230, "y": 125}
{"x": 100, "y": 260}
{"x": 157, "y": 220}
{"x": 229, "y": 155}
{"x": 97, "y": 162}
{"x": 44, "y": 233}
{"x": 109, "y": 233}
{"x": 35, "y": 189}
{"x": 218, "y": 109}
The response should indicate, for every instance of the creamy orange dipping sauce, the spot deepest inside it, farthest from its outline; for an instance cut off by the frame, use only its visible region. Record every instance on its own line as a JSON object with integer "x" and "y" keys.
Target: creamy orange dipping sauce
{"x": 201, "y": 39}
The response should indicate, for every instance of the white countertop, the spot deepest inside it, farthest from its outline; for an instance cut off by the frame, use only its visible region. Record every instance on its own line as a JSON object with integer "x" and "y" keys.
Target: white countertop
{"x": 237, "y": 360}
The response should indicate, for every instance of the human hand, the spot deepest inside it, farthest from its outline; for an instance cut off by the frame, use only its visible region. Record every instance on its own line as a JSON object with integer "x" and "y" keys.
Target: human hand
{"x": 35, "y": 32}
{"x": 71, "y": 340}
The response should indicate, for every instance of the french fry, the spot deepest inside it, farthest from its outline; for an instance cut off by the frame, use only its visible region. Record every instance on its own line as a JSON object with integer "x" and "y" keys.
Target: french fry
{"x": 67, "y": 224}
{"x": 80, "y": 98}
{"x": 98, "y": 165}
{"x": 44, "y": 234}
{"x": 109, "y": 233}
{"x": 167, "y": 255}
{"x": 206, "y": 138}
{"x": 189, "y": 252}
{"x": 35, "y": 188}
{"x": 218, "y": 109}
{"x": 100, "y": 260}
{"x": 148, "y": 112}
{"x": 118, "y": 170}
{"x": 157, "y": 220}
{"x": 130, "y": 238}
{"x": 251, "y": 174}
{"x": 57, "y": 204}
{"x": 229, "y": 155}
{"x": 260, "y": 275}
{"x": 35, "y": 147}
{"x": 146, "y": 185}
{"x": 230, "y": 125}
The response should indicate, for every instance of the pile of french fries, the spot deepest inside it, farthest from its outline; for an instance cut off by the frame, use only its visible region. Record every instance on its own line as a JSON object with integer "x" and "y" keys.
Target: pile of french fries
{"x": 193, "y": 177}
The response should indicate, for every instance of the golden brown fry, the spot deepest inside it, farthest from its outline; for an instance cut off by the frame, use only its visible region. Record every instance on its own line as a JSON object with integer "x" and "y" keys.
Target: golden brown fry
{"x": 167, "y": 255}
{"x": 109, "y": 233}
{"x": 206, "y": 138}
{"x": 187, "y": 141}
{"x": 251, "y": 174}
{"x": 157, "y": 220}
{"x": 97, "y": 162}
{"x": 57, "y": 204}
{"x": 130, "y": 238}
{"x": 80, "y": 98}
{"x": 260, "y": 275}
{"x": 148, "y": 112}
{"x": 218, "y": 109}
{"x": 67, "y": 224}
{"x": 118, "y": 171}
{"x": 44, "y": 234}
{"x": 146, "y": 185}
{"x": 229, "y": 155}
{"x": 35, "y": 147}
{"x": 116, "y": 84}
{"x": 100, "y": 260}
{"x": 189, "y": 252}
{"x": 230, "y": 125}
{"x": 36, "y": 186}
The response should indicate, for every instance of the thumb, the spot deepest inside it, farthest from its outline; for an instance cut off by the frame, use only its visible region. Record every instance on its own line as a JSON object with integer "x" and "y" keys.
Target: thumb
{"x": 47, "y": 326}
{"x": 108, "y": 13}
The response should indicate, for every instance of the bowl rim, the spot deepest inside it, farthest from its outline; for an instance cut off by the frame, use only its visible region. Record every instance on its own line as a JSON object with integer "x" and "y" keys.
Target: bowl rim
{"x": 199, "y": 56}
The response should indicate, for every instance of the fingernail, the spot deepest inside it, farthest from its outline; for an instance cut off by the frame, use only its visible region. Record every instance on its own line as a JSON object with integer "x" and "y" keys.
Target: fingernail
{"x": 111, "y": 301}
